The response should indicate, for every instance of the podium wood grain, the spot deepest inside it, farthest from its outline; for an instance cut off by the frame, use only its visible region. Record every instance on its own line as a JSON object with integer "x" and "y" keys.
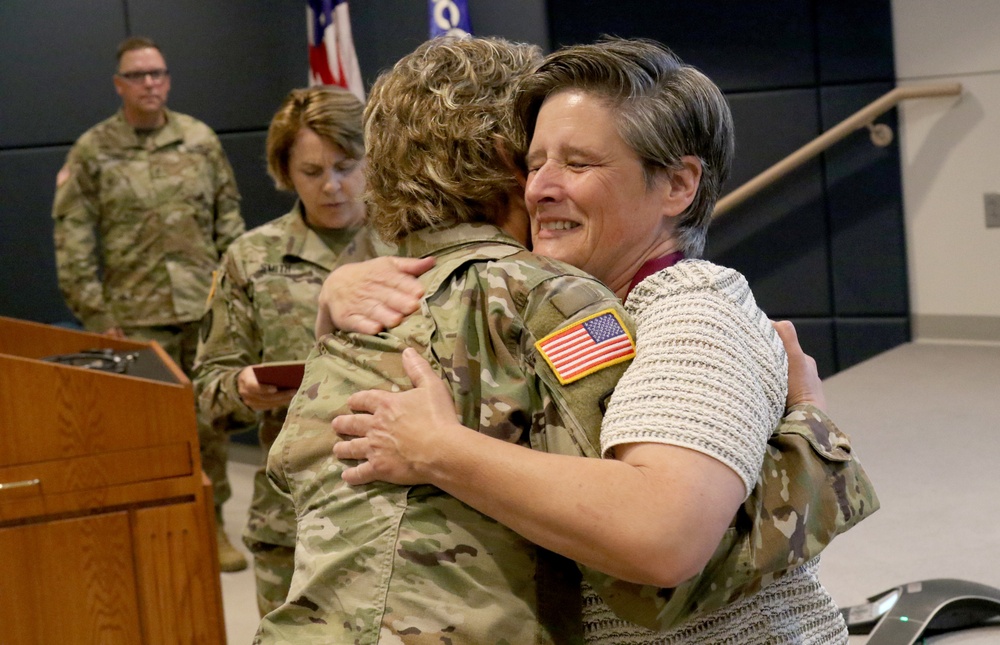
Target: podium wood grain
{"x": 106, "y": 528}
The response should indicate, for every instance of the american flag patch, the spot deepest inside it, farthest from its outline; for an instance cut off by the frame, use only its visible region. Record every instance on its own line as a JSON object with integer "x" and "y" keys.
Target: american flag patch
{"x": 587, "y": 346}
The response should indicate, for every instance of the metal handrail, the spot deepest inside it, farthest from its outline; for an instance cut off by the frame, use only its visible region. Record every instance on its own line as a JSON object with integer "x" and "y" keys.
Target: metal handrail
{"x": 863, "y": 118}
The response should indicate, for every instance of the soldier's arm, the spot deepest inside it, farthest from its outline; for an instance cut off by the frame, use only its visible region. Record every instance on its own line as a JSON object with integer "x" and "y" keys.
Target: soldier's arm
{"x": 591, "y": 510}
{"x": 76, "y": 217}
{"x": 228, "y": 343}
{"x": 229, "y": 224}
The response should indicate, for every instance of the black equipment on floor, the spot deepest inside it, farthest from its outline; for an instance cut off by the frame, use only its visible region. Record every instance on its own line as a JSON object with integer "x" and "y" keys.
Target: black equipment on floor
{"x": 905, "y": 614}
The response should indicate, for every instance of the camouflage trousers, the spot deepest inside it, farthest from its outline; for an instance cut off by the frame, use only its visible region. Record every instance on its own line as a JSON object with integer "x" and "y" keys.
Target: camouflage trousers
{"x": 271, "y": 520}
{"x": 181, "y": 344}
{"x": 214, "y": 456}
{"x": 273, "y": 566}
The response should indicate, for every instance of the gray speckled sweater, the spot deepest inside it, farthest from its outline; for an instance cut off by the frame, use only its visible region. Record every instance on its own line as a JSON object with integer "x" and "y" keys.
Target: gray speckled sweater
{"x": 710, "y": 375}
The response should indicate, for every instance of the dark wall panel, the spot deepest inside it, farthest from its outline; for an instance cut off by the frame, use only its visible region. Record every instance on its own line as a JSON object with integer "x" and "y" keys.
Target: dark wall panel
{"x": 855, "y": 41}
{"x": 231, "y": 63}
{"x": 261, "y": 201}
{"x": 28, "y": 287}
{"x": 864, "y": 194}
{"x": 384, "y": 31}
{"x": 519, "y": 20}
{"x": 753, "y": 44}
{"x": 816, "y": 335}
{"x": 769, "y": 125}
{"x": 783, "y": 252}
{"x": 860, "y": 339}
{"x": 56, "y": 67}
{"x": 778, "y": 238}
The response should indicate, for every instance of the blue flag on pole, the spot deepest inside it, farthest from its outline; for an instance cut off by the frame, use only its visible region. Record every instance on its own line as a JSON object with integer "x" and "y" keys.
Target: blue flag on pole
{"x": 449, "y": 17}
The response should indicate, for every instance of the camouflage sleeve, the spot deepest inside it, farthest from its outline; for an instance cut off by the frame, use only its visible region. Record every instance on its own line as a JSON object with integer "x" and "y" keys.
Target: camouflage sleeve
{"x": 306, "y": 418}
{"x": 229, "y": 223}
{"x": 810, "y": 489}
{"x": 574, "y": 404}
{"x": 228, "y": 342}
{"x": 76, "y": 217}
{"x": 807, "y": 414}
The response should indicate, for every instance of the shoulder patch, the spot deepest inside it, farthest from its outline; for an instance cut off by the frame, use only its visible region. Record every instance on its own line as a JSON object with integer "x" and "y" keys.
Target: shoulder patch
{"x": 571, "y": 301}
{"x": 587, "y": 346}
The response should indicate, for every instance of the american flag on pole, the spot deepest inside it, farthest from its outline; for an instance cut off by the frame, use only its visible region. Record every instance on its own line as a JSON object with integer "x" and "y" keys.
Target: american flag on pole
{"x": 587, "y": 346}
{"x": 332, "y": 60}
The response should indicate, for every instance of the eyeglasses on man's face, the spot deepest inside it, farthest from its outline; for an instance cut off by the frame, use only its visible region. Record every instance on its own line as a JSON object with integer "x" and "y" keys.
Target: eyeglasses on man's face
{"x": 139, "y": 76}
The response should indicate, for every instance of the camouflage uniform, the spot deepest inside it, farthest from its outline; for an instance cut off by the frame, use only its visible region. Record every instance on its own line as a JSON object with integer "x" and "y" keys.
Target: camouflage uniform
{"x": 799, "y": 504}
{"x": 141, "y": 220}
{"x": 263, "y": 309}
{"x": 392, "y": 564}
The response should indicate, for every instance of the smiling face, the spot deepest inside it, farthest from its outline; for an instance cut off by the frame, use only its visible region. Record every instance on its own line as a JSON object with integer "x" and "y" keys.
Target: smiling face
{"x": 143, "y": 100}
{"x": 328, "y": 182}
{"x": 587, "y": 195}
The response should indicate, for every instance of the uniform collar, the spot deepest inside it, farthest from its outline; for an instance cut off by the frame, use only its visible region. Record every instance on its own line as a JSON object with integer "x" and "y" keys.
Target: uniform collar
{"x": 436, "y": 241}
{"x": 305, "y": 244}
{"x": 170, "y": 132}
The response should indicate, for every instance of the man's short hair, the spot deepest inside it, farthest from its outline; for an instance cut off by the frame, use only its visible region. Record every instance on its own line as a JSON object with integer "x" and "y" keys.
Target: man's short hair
{"x": 441, "y": 135}
{"x": 663, "y": 109}
{"x": 331, "y": 112}
{"x": 136, "y": 42}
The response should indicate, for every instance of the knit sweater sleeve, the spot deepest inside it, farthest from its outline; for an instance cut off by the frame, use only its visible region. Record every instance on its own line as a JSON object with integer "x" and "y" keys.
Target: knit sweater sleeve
{"x": 710, "y": 372}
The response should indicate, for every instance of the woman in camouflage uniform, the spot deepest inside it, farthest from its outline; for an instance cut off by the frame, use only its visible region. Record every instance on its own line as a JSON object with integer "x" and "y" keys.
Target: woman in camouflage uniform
{"x": 394, "y": 564}
{"x": 263, "y": 303}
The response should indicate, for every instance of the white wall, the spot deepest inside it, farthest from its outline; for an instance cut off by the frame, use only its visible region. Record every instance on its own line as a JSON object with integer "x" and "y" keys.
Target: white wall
{"x": 950, "y": 151}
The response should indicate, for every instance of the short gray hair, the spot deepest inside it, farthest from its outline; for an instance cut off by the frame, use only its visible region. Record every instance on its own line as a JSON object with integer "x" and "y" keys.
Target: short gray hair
{"x": 663, "y": 109}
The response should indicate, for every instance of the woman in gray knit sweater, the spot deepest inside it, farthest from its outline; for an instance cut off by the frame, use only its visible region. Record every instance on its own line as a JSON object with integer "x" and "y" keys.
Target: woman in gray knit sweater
{"x": 628, "y": 150}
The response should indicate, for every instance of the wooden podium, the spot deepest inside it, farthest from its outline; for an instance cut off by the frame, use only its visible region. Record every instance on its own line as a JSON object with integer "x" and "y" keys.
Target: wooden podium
{"x": 107, "y": 529}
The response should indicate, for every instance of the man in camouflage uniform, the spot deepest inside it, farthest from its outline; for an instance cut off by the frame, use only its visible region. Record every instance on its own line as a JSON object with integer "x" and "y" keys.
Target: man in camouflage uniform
{"x": 384, "y": 563}
{"x": 263, "y": 307}
{"x": 144, "y": 208}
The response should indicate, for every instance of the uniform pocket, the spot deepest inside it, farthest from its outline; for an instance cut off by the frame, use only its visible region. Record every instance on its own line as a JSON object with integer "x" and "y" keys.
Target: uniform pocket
{"x": 189, "y": 286}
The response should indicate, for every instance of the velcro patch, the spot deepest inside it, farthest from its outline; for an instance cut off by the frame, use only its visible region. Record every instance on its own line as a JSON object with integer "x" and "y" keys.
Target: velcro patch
{"x": 587, "y": 346}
